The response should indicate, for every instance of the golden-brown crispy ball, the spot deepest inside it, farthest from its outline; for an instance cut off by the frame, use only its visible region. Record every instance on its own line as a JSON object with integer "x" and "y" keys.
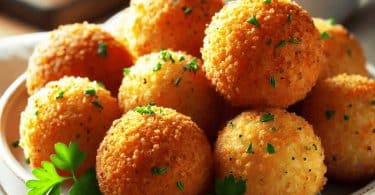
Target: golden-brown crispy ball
{"x": 343, "y": 51}
{"x": 78, "y": 50}
{"x": 262, "y": 54}
{"x": 342, "y": 111}
{"x": 68, "y": 110}
{"x": 160, "y": 24}
{"x": 276, "y": 152}
{"x": 174, "y": 80}
{"x": 154, "y": 150}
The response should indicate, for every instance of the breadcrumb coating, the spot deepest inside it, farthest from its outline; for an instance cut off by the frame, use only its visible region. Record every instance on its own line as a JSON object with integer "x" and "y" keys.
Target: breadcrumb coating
{"x": 278, "y": 156}
{"x": 137, "y": 144}
{"x": 175, "y": 80}
{"x": 262, "y": 54}
{"x": 63, "y": 112}
{"x": 78, "y": 50}
{"x": 343, "y": 52}
{"x": 159, "y": 24}
{"x": 342, "y": 111}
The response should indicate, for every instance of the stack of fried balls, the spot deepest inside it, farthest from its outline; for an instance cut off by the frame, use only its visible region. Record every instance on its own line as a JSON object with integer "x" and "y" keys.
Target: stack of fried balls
{"x": 203, "y": 90}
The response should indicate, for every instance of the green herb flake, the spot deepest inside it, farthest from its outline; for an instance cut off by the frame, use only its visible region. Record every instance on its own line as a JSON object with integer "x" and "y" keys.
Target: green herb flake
{"x": 329, "y": 114}
{"x": 36, "y": 113}
{"x": 97, "y": 104}
{"x": 191, "y": 66}
{"x": 273, "y": 82}
{"x": 182, "y": 58}
{"x": 308, "y": 148}
{"x": 90, "y": 92}
{"x": 180, "y": 185}
{"x": 15, "y": 144}
{"x": 290, "y": 17}
{"x": 177, "y": 81}
{"x": 346, "y": 117}
{"x": 267, "y": 117}
{"x": 270, "y": 149}
{"x": 273, "y": 129}
{"x": 102, "y": 49}
{"x": 315, "y": 146}
{"x": 230, "y": 186}
{"x": 281, "y": 44}
{"x": 158, "y": 170}
{"x": 187, "y": 10}
{"x": 157, "y": 67}
{"x": 126, "y": 71}
{"x": 60, "y": 95}
{"x": 144, "y": 109}
{"x": 294, "y": 41}
{"x": 331, "y": 21}
{"x": 249, "y": 149}
{"x": 253, "y": 20}
{"x": 373, "y": 102}
{"x": 324, "y": 35}
{"x": 27, "y": 161}
{"x": 267, "y": 1}
{"x": 100, "y": 84}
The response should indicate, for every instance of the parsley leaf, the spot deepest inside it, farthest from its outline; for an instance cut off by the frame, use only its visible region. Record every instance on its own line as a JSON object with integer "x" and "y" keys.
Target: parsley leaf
{"x": 126, "y": 71}
{"x": 373, "y": 102}
{"x": 230, "y": 186}
{"x": 331, "y": 21}
{"x": 165, "y": 55}
{"x": 273, "y": 82}
{"x": 97, "y": 104}
{"x": 187, "y": 10}
{"x": 180, "y": 185}
{"x": 48, "y": 181}
{"x": 294, "y": 41}
{"x": 267, "y": 1}
{"x": 102, "y": 49}
{"x": 192, "y": 66}
{"x": 144, "y": 109}
{"x": 329, "y": 114}
{"x": 253, "y": 20}
{"x": 158, "y": 170}
{"x": 324, "y": 35}
{"x": 267, "y": 117}
{"x": 90, "y": 92}
{"x": 282, "y": 43}
{"x": 270, "y": 149}
{"x": 290, "y": 17}
{"x": 177, "y": 81}
{"x": 249, "y": 149}
{"x": 60, "y": 95}
{"x": 86, "y": 184}
{"x": 157, "y": 67}
{"x": 68, "y": 158}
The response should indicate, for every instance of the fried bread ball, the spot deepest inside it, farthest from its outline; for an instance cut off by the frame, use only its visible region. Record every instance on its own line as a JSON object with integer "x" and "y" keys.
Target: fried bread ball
{"x": 343, "y": 51}
{"x": 69, "y": 110}
{"x": 160, "y": 24}
{"x": 78, "y": 50}
{"x": 262, "y": 54}
{"x": 342, "y": 111}
{"x": 154, "y": 150}
{"x": 274, "y": 151}
{"x": 175, "y": 80}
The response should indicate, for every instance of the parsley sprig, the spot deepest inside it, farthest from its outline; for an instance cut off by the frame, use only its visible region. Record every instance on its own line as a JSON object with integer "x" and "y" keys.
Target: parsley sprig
{"x": 67, "y": 158}
{"x": 230, "y": 186}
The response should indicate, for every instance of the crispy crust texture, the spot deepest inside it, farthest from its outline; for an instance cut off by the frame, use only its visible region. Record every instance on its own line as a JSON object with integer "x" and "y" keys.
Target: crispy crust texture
{"x": 172, "y": 85}
{"x": 343, "y": 52}
{"x": 240, "y": 58}
{"x": 138, "y": 142}
{"x": 72, "y": 50}
{"x": 342, "y": 111}
{"x": 296, "y": 167}
{"x": 47, "y": 119}
{"x": 167, "y": 24}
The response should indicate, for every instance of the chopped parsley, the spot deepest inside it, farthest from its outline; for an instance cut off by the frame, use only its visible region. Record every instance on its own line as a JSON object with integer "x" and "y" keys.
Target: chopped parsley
{"x": 267, "y": 1}
{"x": 373, "y": 102}
{"x": 102, "y": 49}
{"x": 192, "y": 66}
{"x": 15, "y": 144}
{"x": 90, "y": 92}
{"x": 230, "y": 186}
{"x": 144, "y": 109}
{"x": 331, "y": 21}
{"x": 294, "y": 41}
{"x": 324, "y": 35}
{"x": 157, "y": 67}
{"x": 180, "y": 185}
{"x": 177, "y": 81}
{"x": 36, "y": 113}
{"x": 282, "y": 43}
{"x": 290, "y": 17}
{"x": 315, "y": 147}
{"x": 273, "y": 81}
{"x": 166, "y": 55}
{"x": 182, "y": 58}
{"x": 270, "y": 149}
{"x": 126, "y": 71}
{"x": 267, "y": 117}
{"x": 329, "y": 114}
{"x": 273, "y": 129}
{"x": 187, "y": 10}
{"x": 97, "y": 104}
{"x": 249, "y": 149}
{"x": 100, "y": 84}
{"x": 158, "y": 170}
{"x": 346, "y": 117}
{"x": 253, "y": 20}
{"x": 60, "y": 95}
{"x": 308, "y": 148}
